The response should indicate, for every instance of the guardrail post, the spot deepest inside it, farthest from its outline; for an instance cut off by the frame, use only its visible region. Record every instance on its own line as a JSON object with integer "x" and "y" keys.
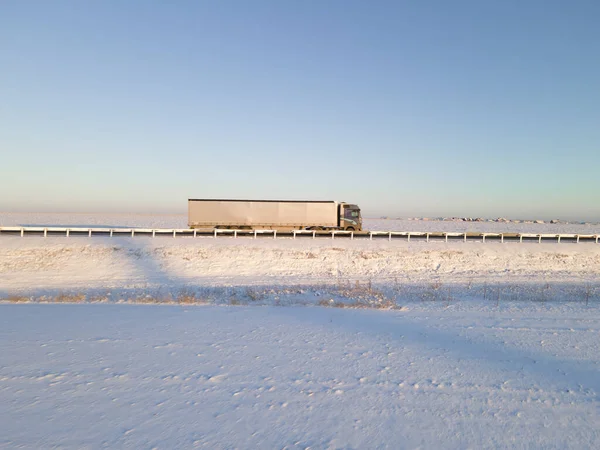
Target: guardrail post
{"x": 408, "y": 237}
{"x": 520, "y": 238}
{"x": 502, "y": 238}
{"x": 390, "y": 236}
{"x": 90, "y": 232}
{"x": 174, "y": 233}
{"x": 254, "y": 234}
{"x": 67, "y": 232}
{"x": 111, "y": 232}
{"x": 332, "y": 234}
{"x": 370, "y": 235}
{"x": 274, "y": 234}
{"x": 352, "y": 235}
{"x": 235, "y": 234}
{"x": 294, "y": 232}
{"x": 314, "y": 234}
{"x": 427, "y": 237}
{"x": 597, "y": 239}
{"x": 215, "y": 234}
{"x": 22, "y": 232}
{"x": 465, "y": 237}
{"x": 45, "y": 232}
{"x": 559, "y": 238}
{"x": 132, "y": 233}
{"x": 578, "y": 239}
{"x": 446, "y": 234}
{"x": 195, "y": 232}
{"x": 540, "y": 239}
{"x": 153, "y": 233}
{"x": 483, "y": 234}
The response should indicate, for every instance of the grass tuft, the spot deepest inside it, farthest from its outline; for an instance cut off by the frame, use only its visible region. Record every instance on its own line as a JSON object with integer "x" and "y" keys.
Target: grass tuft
{"x": 69, "y": 298}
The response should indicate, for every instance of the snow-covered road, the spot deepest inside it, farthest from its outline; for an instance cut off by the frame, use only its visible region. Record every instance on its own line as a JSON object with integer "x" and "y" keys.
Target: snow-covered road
{"x": 104, "y": 220}
{"x": 167, "y": 377}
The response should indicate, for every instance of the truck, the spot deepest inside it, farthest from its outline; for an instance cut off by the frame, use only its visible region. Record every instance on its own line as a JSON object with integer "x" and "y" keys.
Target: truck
{"x": 280, "y": 215}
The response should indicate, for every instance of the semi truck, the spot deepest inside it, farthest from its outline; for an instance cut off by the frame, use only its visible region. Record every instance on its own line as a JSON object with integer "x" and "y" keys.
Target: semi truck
{"x": 280, "y": 215}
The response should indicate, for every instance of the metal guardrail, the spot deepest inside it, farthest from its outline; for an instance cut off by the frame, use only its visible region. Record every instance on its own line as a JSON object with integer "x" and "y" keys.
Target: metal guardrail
{"x": 332, "y": 234}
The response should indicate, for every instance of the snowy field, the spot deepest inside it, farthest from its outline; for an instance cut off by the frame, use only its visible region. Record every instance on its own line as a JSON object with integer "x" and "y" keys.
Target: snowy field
{"x": 180, "y": 221}
{"x": 337, "y": 344}
{"x": 123, "y": 268}
{"x": 166, "y": 377}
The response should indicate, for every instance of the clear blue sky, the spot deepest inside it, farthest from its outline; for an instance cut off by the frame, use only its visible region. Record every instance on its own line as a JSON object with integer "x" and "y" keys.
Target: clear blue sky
{"x": 408, "y": 108}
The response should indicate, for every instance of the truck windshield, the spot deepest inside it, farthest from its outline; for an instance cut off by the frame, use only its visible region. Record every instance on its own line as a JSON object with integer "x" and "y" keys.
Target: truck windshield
{"x": 352, "y": 213}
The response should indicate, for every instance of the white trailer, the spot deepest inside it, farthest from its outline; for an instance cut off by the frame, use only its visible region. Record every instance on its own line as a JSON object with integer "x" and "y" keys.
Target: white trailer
{"x": 273, "y": 215}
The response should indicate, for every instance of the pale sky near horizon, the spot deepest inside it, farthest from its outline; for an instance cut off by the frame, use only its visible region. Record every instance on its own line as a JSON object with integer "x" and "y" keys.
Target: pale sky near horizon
{"x": 407, "y": 108}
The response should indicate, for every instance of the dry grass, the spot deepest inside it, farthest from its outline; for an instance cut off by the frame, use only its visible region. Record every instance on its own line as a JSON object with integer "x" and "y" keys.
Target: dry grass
{"x": 69, "y": 298}
{"x": 589, "y": 292}
{"x": 331, "y": 303}
{"x": 254, "y": 295}
{"x": 151, "y": 300}
{"x": 17, "y": 299}
{"x": 189, "y": 297}
{"x": 359, "y": 296}
{"x": 99, "y": 298}
{"x": 345, "y": 293}
{"x": 433, "y": 292}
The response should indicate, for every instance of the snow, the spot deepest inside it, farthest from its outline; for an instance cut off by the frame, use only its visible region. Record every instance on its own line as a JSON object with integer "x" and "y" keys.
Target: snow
{"x": 161, "y": 266}
{"x": 295, "y": 343}
{"x": 141, "y": 376}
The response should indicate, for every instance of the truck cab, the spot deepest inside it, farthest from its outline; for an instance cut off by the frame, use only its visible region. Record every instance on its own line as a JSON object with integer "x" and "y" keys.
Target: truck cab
{"x": 350, "y": 217}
